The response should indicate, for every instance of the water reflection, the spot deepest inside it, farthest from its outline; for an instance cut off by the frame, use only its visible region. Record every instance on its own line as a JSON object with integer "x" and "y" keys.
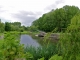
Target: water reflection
{"x": 28, "y": 41}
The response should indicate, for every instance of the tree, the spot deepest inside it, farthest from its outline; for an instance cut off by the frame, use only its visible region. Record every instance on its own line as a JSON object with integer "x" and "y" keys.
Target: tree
{"x": 1, "y": 26}
{"x": 69, "y": 42}
{"x": 59, "y": 18}
{"x": 7, "y": 26}
{"x": 70, "y": 13}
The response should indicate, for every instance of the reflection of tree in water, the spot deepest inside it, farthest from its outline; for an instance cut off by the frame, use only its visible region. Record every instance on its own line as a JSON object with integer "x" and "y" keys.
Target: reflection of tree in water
{"x": 41, "y": 41}
{"x": 38, "y": 39}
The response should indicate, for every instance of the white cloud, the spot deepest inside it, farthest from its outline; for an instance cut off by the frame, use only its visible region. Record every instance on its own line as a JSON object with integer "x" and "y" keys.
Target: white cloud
{"x": 12, "y": 7}
{"x": 28, "y": 5}
{"x": 70, "y": 2}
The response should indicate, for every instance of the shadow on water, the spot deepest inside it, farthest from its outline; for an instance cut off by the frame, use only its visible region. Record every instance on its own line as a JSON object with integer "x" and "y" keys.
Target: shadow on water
{"x": 27, "y": 40}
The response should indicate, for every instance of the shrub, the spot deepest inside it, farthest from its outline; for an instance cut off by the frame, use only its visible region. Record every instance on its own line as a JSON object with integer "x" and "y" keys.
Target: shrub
{"x": 70, "y": 40}
{"x": 56, "y": 57}
{"x": 11, "y": 49}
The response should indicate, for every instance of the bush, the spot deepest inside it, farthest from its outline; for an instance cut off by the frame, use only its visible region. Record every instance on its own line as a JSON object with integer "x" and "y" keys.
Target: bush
{"x": 70, "y": 41}
{"x": 56, "y": 57}
{"x": 11, "y": 48}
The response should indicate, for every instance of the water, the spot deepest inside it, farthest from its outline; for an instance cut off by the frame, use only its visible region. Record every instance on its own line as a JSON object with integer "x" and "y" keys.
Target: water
{"x": 27, "y": 40}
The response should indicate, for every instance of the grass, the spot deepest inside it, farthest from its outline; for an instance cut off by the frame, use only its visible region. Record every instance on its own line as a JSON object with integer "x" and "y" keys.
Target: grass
{"x": 1, "y": 34}
{"x": 1, "y": 42}
{"x": 17, "y": 32}
{"x": 44, "y": 51}
{"x": 24, "y": 32}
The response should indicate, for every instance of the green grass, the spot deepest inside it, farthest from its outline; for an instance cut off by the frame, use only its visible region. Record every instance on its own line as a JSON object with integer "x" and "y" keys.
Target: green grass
{"x": 17, "y": 32}
{"x": 24, "y": 32}
{"x": 1, "y": 40}
{"x": 1, "y": 34}
{"x": 45, "y": 51}
{"x": 1, "y": 43}
{"x": 56, "y": 57}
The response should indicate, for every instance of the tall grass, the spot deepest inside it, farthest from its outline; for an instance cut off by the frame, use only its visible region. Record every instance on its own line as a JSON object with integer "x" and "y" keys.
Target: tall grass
{"x": 43, "y": 51}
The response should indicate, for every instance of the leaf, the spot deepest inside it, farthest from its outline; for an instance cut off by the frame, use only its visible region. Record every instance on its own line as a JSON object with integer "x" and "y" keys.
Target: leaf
{"x": 41, "y": 58}
{"x": 56, "y": 57}
{"x": 28, "y": 55}
{"x": 12, "y": 52}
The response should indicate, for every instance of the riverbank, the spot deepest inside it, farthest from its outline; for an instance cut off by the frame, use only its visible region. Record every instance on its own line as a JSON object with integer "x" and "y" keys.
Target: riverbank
{"x": 46, "y": 39}
{"x": 10, "y": 43}
{"x": 25, "y": 32}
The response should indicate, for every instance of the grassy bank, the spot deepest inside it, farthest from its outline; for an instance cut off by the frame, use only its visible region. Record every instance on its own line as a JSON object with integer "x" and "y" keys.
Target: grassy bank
{"x": 24, "y": 32}
{"x": 17, "y": 32}
{"x": 12, "y": 48}
{"x": 68, "y": 48}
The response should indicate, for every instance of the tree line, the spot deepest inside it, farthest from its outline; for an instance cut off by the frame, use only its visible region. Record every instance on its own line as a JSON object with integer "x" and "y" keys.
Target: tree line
{"x": 11, "y": 26}
{"x": 59, "y": 18}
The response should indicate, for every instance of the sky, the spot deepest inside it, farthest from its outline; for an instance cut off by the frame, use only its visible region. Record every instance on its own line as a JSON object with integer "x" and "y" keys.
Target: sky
{"x": 26, "y": 11}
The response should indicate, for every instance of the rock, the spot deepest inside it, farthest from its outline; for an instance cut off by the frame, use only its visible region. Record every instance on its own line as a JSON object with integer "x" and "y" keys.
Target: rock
{"x": 42, "y": 34}
{"x": 36, "y": 35}
{"x": 55, "y": 36}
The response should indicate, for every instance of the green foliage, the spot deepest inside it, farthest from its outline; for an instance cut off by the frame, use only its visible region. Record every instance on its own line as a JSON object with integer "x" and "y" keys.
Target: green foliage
{"x": 59, "y": 18}
{"x": 1, "y": 27}
{"x": 14, "y": 26}
{"x": 45, "y": 51}
{"x": 33, "y": 29}
{"x": 11, "y": 49}
{"x": 7, "y": 26}
{"x": 41, "y": 58}
{"x": 56, "y": 57}
{"x": 28, "y": 56}
{"x": 70, "y": 41}
{"x": 21, "y": 29}
{"x": 75, "y": 22}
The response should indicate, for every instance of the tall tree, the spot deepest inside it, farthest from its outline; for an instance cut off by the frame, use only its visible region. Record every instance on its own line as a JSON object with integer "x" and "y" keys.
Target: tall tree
{"x": 59, "y": 18}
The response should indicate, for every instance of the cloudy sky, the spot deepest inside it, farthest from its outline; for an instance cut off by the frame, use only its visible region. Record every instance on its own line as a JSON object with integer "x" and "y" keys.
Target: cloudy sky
{"x": 26, "y": 11}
